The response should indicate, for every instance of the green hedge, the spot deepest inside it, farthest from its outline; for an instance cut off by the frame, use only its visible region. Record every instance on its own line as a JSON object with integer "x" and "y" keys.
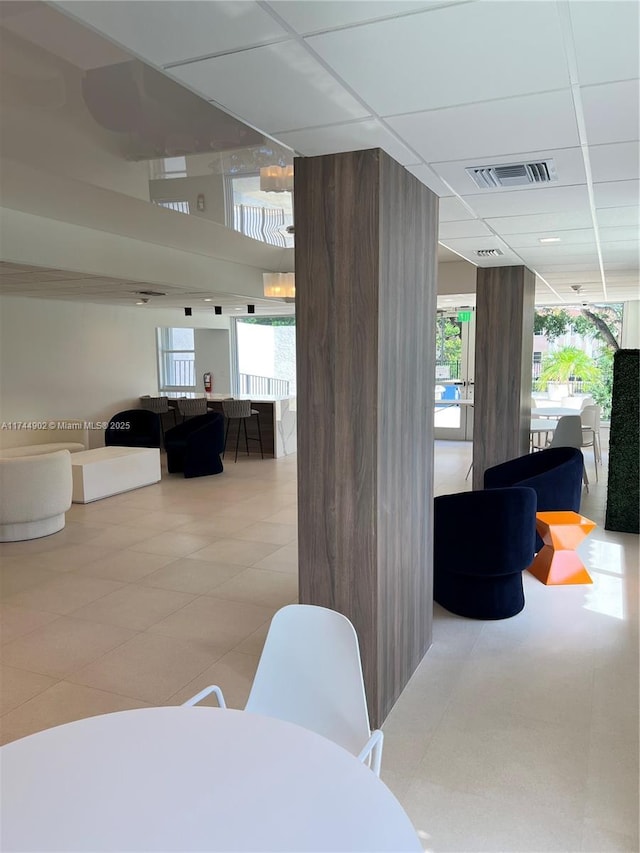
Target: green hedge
{"x": 623, "y": 495}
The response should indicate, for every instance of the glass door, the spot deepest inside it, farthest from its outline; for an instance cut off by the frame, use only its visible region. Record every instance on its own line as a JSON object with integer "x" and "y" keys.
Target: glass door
{"x": 455, "y": 351}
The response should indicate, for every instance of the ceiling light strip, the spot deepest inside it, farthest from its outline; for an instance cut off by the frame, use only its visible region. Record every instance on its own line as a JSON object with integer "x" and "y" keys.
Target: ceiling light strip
{"x": 572, "y": 67}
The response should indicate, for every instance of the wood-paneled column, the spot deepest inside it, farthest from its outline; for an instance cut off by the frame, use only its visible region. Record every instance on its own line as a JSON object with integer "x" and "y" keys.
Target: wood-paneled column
{"x": 504, "y": 351}
{"x": 365, "y": 257}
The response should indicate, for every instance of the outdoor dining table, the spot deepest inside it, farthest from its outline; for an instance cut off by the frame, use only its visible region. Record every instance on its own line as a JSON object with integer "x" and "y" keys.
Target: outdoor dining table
{"x": 196, "y": 779}
{"x": 541, "y": 427}
{"x": 553, "y": 411}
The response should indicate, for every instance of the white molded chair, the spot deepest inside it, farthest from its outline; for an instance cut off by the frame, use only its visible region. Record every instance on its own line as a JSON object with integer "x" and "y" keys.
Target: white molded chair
{"x": 577, "y": 402}
{"x": 310, "y": 674}
{"x": 568, "y": 433}
{"x": 590, "y": 417}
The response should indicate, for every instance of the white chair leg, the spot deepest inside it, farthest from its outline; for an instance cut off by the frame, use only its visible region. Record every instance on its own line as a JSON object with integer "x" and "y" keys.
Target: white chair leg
{"x": 595, "y": 456}
{"x": 371, "y": 753}
{"x": 585, "y": 478}
{"x": 207, "y": 692}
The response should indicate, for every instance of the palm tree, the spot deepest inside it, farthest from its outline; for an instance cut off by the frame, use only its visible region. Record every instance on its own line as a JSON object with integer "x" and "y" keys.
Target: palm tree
{"x": 569, "y": 363}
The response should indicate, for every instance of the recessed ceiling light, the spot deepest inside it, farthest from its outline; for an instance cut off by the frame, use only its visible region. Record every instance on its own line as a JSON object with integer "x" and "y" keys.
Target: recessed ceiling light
{"x": 549, "y": 239}
{"x": 208, "y": 300}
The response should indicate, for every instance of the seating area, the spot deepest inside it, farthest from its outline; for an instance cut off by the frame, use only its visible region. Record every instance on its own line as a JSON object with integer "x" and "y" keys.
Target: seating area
{"x": 150, "y": 609}
{"x": 249, "y": 601}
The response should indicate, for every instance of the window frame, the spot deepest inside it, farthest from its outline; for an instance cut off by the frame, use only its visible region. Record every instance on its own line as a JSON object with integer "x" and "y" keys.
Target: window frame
{"x": 164, "y": 348}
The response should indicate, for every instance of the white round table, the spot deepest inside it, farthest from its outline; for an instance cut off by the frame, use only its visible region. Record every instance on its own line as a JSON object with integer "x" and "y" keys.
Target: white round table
{"x": 193, "y": 779}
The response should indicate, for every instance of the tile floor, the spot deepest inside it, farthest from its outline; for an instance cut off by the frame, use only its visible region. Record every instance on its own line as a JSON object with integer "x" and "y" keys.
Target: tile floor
{"x": 517, "y": 735}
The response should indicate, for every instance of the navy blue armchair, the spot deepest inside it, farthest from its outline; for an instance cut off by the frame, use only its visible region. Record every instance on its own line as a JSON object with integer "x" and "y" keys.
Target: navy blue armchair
{"x": 555, "y": 474}
{"x": 133, "y": 428}
{"x": 483, "y": 541}
{"x": 194, "y": 447}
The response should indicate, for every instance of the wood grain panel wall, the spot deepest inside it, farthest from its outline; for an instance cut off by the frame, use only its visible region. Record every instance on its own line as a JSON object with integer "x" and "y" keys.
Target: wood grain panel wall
{"x": 504, "y": 352}
{"x": 365, "y": 307}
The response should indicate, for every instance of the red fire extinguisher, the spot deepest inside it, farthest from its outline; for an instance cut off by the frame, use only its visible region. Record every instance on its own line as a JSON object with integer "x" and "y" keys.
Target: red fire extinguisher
{"x": 208, "y": 382}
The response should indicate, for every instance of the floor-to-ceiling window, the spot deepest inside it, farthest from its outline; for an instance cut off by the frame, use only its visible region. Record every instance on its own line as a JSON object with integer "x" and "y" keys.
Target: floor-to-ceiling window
{"x": 265, "y": 356}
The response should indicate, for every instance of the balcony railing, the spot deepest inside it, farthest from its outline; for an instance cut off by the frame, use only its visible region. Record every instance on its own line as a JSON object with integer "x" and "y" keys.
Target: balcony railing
{"x": 179, "y": 372}
{"x": 263, "y": 386}
{"x": 261, "y": 223}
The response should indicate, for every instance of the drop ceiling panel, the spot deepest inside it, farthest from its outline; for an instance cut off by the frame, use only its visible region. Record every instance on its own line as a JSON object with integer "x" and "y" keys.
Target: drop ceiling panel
{"x": 573, "y": 267}
{"x": 468, "y": 228}
{"x": 492, "y": 129}
{"x": 612, "y": 235}
{"x": 552, "y": 222}
{"x": 449, "y": 51}
{"x": 430, "y": 179}
{"x": 560, "y": 275}
{"x": 300, "y": 92}
{"x": 317, "y": 15}
{"x": 605, "y": 35}
{"x": 467, "y": 246}
{"x": 354, "y": 136}
{"x": 626, "y": 250}
{"x": 618, "y": 216}
{"x": 569, "y": 254}
{"x": 611, "y": 112}
{"x": 569, "y": 164}
{"x": 452, "y": 209}
{"x": 163, "y": 32}
{"x": 544, "y": 199}
{"x": 616, "y": 194}
{"x": 615, "y": 162}
{"x": 567, "y": 238}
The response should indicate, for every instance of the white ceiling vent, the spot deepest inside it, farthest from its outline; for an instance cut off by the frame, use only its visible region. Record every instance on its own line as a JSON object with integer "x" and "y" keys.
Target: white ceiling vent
{"x": 488, "y": 253}
{"x": 513, "y": 174}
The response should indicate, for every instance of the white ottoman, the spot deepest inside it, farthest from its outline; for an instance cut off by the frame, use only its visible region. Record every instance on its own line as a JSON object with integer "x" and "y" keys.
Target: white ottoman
{"x": 108, "y": 471}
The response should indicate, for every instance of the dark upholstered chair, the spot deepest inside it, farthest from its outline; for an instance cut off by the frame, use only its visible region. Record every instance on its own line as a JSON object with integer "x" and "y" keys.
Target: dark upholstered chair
{"x": 194, "y": 447}
{"x": 483, "y": 541}
{"x": 555, "y": 474}
{"x": 133, "y": 428}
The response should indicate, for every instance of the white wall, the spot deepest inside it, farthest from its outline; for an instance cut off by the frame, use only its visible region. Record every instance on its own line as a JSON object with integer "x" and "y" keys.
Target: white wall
{"x": 213, "y": 356}
{"x": 456, "y": 277}
{"x": 62, "y": 359}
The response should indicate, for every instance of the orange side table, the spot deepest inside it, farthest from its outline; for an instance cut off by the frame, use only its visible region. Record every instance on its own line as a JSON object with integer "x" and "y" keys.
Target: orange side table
{"x": 557, "y": 562}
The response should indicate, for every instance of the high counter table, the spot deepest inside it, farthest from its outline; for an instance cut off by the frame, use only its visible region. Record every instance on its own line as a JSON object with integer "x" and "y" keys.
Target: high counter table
{"x": 278, "y": 420}
{"x": 193, "y": 779}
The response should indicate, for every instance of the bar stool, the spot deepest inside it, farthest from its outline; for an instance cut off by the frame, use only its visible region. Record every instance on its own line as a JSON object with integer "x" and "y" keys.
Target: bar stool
{"x": 159, "y": 405}
{"x": 241, "y": 411}
{"x": 190, "y": 407}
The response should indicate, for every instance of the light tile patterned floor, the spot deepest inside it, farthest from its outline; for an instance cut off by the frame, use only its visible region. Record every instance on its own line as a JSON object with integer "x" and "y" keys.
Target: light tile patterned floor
{"x": 517, "y": 735}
